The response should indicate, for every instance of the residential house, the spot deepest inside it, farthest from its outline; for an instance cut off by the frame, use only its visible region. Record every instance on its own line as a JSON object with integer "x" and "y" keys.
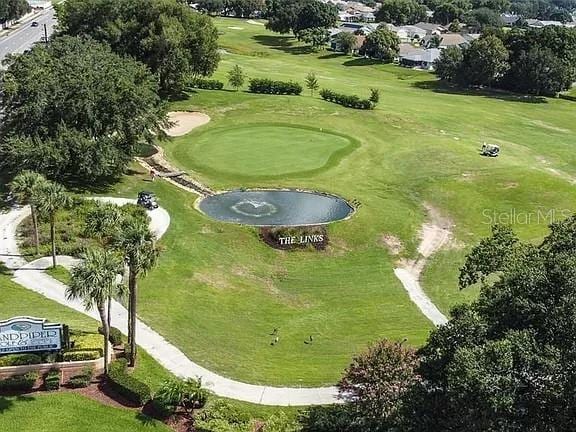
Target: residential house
{"x": 431, "y": 28}
{"x": 447, "y": 40}
{"x": 355, "y": 49}
{"x": 407, "y": 33}
{"x": 420, "y": 58}
{"x": 509, "y": 19}
{"x": 534, "y": 23}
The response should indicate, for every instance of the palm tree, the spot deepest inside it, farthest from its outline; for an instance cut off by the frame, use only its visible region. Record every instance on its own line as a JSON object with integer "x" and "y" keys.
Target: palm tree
{"x": 24, "y": 187}
{"x": 103, "y": 222}
{"x": 50, "y": 198}
{"x": 138, "y": 246}
{"x": 94, "y": 281}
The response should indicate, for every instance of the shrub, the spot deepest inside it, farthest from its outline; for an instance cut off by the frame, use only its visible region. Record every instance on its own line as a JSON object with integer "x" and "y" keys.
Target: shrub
{"x": 349, "y": 101}
{"x": 126, "y": 385}
{"x": 20, "y": 359}
{"x": 83, "y": 379}
{"x": 52, "y": 380}
{"x": 206, "y": 84}
{"x": 177, "y": 392}
{"x": 268, "y": 86}
{"x": 19, "y": 382}
{"x": 115, "y": 336}
{"x": 82, "y": 355}
{"x": 221, "y": 414}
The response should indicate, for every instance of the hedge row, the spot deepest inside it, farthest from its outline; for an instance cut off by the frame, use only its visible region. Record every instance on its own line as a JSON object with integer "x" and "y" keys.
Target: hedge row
{"x": 82, "y": 355}
{"x": 268, "y": 86}
{"x": 206, "y": 84}
{"x": 350, "y": 101}
{"x": 567, "y": 97}
{"x": 115, "y": 336}
{"x": 19, "y": 382}
{"x": 20, "y": 359}
{"x": 126, "y": 385}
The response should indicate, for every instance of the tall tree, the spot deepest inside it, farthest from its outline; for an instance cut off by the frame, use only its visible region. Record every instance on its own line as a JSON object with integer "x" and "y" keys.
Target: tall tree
{"x": 11, "y": 10}
{"x": 51, "y": 197}
{"x": 236, "y": 77}
{"x": 381, "y": 44}
{"x": 25, "y": 186}
{"x": 345, "y": 42}
{"x": 138, "y": 246}
{"x": 94, "y": 281}
{"x": 166, "y": 35}
{"x": 285, "y": 16}
{"x": 485, "y": 61}
{"x": 376, "y": 383}
{"x": 401, "y": 12}
{"x": 317, "y": 37}
{"x": 83, "y": 108}
{"x": 448, "y": 65}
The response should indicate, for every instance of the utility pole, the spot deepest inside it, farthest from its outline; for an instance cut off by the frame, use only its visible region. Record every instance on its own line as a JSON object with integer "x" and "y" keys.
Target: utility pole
{"x": 45, "y": 35}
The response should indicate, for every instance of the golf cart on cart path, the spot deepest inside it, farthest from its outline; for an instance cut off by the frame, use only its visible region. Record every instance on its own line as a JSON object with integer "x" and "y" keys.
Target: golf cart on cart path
{"x": 147, "y": 200}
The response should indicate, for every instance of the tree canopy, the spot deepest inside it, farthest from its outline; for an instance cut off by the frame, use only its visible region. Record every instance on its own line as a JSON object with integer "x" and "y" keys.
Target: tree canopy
{"x": 381, "y": 44}
{"x": 285, "y": 16}
{"x": 534, "y": 61}
{"x": 75, "y": 111}
{"x": 401, "y": 12}
{"x": 167, "y": 36}
{"x": 505, "y": 362}
{"x": 13, "y": 9}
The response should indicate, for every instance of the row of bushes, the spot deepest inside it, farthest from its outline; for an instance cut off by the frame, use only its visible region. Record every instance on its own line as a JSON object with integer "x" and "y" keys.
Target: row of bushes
{"x": 206, "y": 84}
{"x": 126, "y": 385}
{"x": 82, "y": 355}
{"x": 268, "y": 86}
{"x": 19, "y": 382}
{"x": 350, "y": 101}
{"x": 20, "y": 359}
{"x": 567, "y": 97}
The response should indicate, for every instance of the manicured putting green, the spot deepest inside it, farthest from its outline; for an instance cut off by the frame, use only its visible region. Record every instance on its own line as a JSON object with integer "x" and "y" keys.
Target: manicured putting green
{"x": 263, "y": 150}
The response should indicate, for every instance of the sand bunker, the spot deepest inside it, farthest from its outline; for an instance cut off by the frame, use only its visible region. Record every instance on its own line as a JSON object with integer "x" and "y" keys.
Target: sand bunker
{"x": 185, "y": 121}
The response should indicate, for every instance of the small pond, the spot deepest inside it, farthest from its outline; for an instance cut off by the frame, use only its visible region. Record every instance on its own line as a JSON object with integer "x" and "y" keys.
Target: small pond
{"x": 275, "y": 207}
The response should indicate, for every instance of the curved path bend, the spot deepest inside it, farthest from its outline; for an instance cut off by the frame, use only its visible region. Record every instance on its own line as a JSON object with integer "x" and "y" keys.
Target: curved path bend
{"x": 32, "y": 276}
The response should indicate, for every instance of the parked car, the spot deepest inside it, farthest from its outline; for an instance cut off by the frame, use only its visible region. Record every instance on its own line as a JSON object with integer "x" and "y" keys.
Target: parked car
{"x": 35, "y": 24}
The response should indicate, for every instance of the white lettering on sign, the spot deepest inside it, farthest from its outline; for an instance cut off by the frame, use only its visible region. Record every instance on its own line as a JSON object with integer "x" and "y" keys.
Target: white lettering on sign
{"x": 304, "y": 239}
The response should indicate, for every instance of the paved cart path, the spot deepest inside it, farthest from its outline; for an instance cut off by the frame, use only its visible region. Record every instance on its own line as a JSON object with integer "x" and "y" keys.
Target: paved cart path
{"x": 32, "y": 276}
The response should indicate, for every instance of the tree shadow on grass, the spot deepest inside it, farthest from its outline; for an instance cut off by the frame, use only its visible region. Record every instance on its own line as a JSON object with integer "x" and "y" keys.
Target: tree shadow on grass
{"x": 273, "y": 41}
{"x": 332, "y": 56}
{"x": 362, "y": 61}
{"x": 441, "y": 87}
{"x": 285, "y": 44}
{"x": 7, "y": 403}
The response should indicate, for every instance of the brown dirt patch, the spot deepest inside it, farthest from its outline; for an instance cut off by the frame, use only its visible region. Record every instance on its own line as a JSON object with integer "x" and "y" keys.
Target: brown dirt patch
{"x": 392, "y": 243}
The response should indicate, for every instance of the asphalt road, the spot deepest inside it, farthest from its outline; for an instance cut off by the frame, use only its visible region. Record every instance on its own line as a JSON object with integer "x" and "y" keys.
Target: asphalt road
{"x": 23, "y": 38}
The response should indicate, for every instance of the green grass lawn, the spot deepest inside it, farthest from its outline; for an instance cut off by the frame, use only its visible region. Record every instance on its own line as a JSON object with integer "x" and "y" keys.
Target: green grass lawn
{"x": 218, "y": 291}
{"x": 229, "y": 151}
{"x": 16, "y": 300}
{"x": 420, "y": 145}
{"x": 60, "y": 273}
{"x": 69, "y": 412}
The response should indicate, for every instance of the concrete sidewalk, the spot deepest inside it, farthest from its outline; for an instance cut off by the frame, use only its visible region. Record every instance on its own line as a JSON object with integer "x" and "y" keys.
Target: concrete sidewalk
{"x": 32, "y": 276}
